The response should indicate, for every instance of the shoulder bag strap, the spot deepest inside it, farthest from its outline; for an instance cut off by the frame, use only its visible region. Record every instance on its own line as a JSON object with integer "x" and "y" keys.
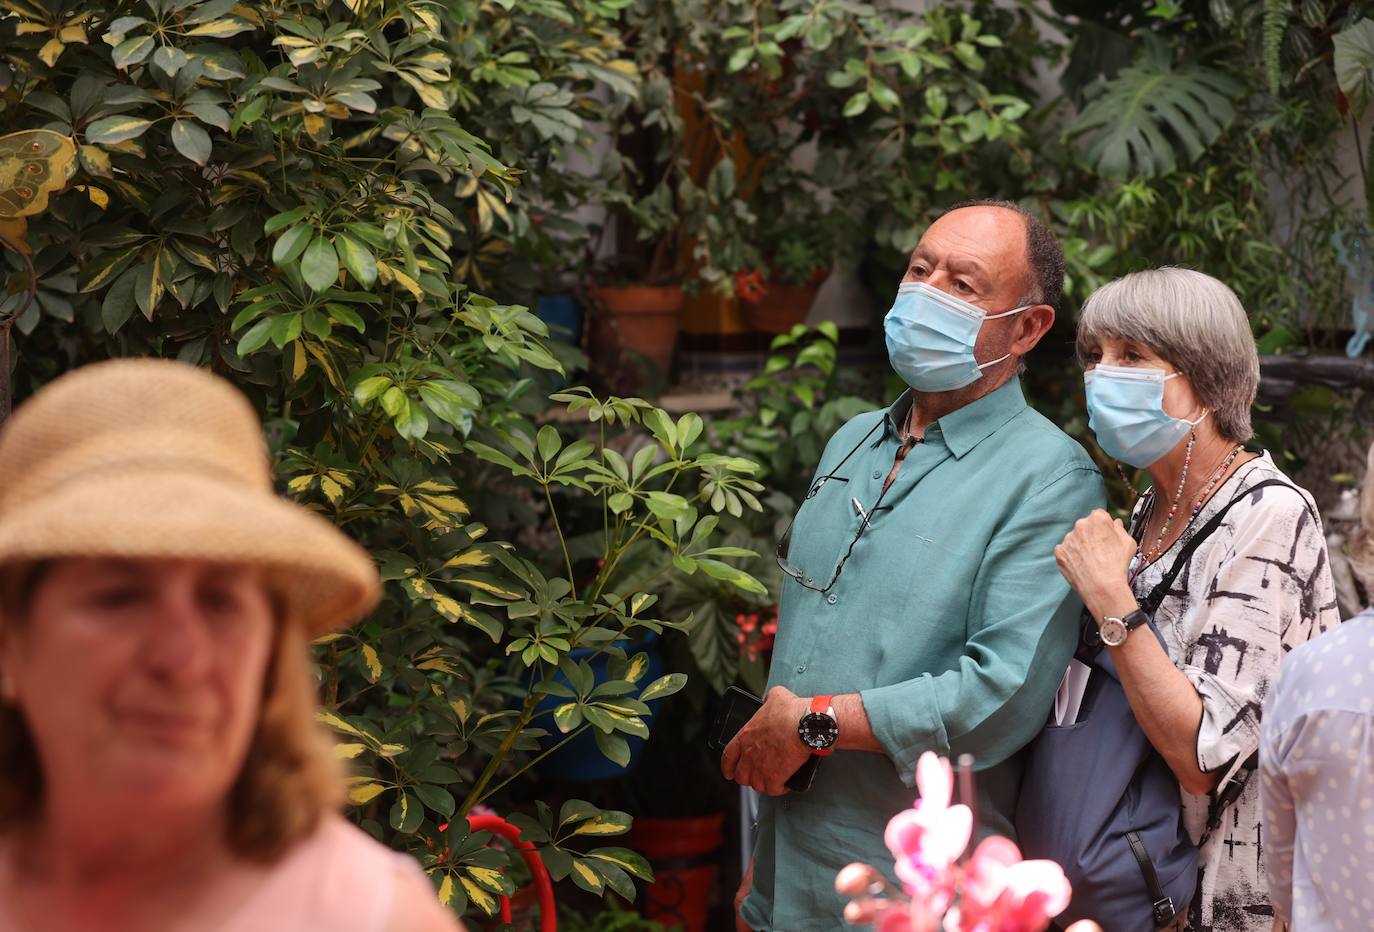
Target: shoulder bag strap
{"x": 1152, "y": 601}
{"x": 1236, "y": 785}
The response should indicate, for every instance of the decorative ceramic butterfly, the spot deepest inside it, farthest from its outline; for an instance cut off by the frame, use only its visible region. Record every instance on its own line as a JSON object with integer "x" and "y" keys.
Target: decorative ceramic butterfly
{"x": 1356, "y": 253}
{"x": 34, "y": 163}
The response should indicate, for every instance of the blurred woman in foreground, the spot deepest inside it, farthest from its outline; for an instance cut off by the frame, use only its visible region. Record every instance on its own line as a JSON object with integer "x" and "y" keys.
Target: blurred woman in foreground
{"x": 162, "y": 767}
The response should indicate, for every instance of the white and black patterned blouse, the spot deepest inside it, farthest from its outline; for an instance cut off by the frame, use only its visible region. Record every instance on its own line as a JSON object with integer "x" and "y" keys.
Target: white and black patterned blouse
{"x": 1258, "y": 587}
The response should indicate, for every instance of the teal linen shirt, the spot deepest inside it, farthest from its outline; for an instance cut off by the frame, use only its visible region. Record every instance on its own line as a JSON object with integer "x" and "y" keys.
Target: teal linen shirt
{"x": 950, "y": 619}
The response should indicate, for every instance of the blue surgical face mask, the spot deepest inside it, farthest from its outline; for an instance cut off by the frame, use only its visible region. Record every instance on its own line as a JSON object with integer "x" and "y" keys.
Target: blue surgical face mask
{"x": 931, "y": 335}
{"x": 1126, "y": 413}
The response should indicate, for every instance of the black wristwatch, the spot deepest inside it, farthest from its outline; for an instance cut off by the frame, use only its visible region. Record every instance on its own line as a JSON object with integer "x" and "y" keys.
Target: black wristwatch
{"x": 818, "y": 728}
{"x": 1114, "y": 630}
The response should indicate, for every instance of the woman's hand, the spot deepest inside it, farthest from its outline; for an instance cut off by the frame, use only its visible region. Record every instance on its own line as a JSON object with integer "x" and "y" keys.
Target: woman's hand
{"x": 1094, "y": 558}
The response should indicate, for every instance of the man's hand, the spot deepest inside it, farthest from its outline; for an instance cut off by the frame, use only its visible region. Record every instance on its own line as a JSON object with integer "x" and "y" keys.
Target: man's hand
{"x": 745, "y": 886}
{"x": 767, "y": 751}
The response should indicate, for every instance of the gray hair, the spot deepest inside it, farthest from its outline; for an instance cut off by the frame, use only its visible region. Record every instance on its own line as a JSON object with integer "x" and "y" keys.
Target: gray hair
{"x": 1195, "y": 323}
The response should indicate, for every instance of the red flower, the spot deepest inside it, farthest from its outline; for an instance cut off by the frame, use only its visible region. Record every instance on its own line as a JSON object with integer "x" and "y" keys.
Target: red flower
{"x": 749, "y": 286}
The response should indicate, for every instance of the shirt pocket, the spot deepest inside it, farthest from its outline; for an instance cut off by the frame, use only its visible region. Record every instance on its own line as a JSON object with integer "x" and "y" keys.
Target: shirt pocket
{"x": 825, "y": 525}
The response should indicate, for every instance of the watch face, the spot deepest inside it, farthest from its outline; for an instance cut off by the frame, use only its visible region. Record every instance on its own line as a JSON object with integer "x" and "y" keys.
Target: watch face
{"x": 1113, "y": 632}
{"x": 818, "y": 731}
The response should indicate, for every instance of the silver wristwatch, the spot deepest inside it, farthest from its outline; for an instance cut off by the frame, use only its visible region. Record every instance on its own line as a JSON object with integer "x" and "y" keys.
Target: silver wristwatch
{"x": 1114, "y": 630}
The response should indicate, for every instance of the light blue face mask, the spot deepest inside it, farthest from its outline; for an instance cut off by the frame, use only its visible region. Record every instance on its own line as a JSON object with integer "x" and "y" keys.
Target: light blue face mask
{"x": 1126, "y": 414}
{"x": 931, "y": 335}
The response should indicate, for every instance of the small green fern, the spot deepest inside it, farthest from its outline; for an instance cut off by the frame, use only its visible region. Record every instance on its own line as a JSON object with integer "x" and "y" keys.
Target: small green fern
{"x": 1276, "y": 13}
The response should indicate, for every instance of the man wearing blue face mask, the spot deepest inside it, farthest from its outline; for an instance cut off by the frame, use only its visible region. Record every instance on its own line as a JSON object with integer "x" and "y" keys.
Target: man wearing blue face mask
{"x": 922, "y": 609}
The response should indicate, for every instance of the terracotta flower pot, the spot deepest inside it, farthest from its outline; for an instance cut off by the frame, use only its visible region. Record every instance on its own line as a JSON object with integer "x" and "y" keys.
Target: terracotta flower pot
{"x": 781, "y": 307}
{"x": 683, "y": 853}
{"x": 646, "y": 317}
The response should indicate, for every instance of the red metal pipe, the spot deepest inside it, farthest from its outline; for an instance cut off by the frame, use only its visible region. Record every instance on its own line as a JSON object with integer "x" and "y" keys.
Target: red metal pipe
{"x": 543, "y": 886}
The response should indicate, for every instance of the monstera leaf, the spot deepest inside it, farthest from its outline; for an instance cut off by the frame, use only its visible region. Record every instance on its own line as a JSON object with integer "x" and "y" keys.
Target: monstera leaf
{"x": 1354, "y": 63}
{"x": 1139, "y": 121}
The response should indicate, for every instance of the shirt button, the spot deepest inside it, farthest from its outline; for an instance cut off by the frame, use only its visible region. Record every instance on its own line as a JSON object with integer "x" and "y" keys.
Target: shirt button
{"x": 809, "y": 580}
{"x": 831, "y": 599}
{"x": 877, "y": 474}
{"x": 801, "y": 668}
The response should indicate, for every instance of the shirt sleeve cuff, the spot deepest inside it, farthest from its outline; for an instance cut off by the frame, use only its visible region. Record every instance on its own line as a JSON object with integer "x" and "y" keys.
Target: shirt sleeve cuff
{"x": 1229, "y": 730}
{"x": 905, "y": 719}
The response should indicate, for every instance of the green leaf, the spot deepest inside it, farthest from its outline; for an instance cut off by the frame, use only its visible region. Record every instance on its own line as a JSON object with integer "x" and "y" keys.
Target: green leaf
{"x": 625, "y": 859}
{"x": 130, "y": 52}
{"x": 663, "y": 686}
{"x": 856, "y": 104}
{"x": 1354, "y": 62}
{"x": 576, "y": 810}
{"x": 256, "y": 337}
{"x": 191, "y": 141}
{"x": 549, "y": 442}
{"x": 319, "y": 264}
{"x": 609, "y": 822}
{"x": 1136, "y": 123}
{"x": 358, "y": 259}
{"x": 436, "y": 798}
{"x": 116, "y": 129}
{"x": 406, "y": 814}
{"x": 291, "y": 244}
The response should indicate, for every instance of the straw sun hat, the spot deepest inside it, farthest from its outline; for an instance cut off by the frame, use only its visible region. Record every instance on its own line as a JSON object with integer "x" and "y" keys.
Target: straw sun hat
{"x": 151, "y": 458}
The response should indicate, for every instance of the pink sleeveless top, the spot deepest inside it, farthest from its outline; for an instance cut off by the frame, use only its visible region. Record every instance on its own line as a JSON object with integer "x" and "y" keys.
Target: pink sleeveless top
{"x": 336, "y": 880}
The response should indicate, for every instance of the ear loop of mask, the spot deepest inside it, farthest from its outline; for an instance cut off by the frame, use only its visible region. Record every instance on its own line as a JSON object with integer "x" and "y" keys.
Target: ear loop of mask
{"x": 1015, "y": 310}
{"x": 1205, "y": 411}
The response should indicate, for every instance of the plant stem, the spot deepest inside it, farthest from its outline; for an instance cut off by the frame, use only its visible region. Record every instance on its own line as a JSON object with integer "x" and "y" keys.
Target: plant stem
{"x": 534, "y": 760}
{"x": 475, "y": 795}
{"x": 562, "y": 542}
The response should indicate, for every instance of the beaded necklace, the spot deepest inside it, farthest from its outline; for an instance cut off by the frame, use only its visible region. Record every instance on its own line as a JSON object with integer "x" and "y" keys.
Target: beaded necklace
{"x": 1149, "y": 556}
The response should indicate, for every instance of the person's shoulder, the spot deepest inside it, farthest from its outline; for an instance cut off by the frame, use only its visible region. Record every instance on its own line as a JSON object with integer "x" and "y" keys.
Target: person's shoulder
{"x": 1043, "y": 445}
{"x": 366, "y": 877}
{"x": 1258, "y": 495}
{"x": 1327, "y": 660}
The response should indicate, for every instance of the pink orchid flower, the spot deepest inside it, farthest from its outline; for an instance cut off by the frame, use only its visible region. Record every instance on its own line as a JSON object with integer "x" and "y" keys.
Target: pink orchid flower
{"x": 1002, "y": 893}
{"x": 927, "y": 840}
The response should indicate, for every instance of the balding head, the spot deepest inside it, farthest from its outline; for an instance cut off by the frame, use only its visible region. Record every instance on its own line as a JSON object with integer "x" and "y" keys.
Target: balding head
{"x": 1042, "y": 257}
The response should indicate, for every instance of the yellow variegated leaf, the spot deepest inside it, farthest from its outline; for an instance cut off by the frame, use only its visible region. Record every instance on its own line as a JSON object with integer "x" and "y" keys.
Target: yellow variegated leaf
{"x": 391, "y": 750}
{"x": 440, "y": 664}
{"x": 468, "y": 558}
{"x": 73, "y": 34}
{"x": 326, "y": 364}
{"x": 592, "y": 878}
{"x": 300, "y": 483}
{"x": 374, "y": 663}
{"x": 331, "y": 489}
{"x": 328, "y": 638}
{"x": 404, "y": 280}
{"x": 477, "y": 895}
{"x": 51, "y": 51}
{"x": 364, "y": 793}
{"x": 348, "y": 751}
{"x": 28, "y": 29}
{"x": 600, "y": 827}
{"x": 338, "y": 724}
{"x": 449, "y": 503}
{"x": 96, "y": 196}
{"x": 298, "y": 363}
{"x": 460, "y": 709}
{"x": 638, "y": 667}
{"x": 429, "y": 485}
{"x": 494, "y": 590}
{"x": 449, "y": 607}
{"x": 487, "y": 877}
{"x": 446, "y": 890}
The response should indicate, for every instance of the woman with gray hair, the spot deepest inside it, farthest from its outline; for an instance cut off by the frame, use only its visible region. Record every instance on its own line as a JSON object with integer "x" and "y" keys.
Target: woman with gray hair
{"x": 1172, "y": 371}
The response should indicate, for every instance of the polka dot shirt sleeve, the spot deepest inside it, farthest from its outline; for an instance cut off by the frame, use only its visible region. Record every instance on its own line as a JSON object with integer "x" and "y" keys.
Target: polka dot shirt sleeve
{"x": 1317, "y": 783}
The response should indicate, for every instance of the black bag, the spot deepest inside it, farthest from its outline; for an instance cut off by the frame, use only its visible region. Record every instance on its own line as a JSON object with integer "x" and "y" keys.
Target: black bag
{"x": 1099, "y": 800}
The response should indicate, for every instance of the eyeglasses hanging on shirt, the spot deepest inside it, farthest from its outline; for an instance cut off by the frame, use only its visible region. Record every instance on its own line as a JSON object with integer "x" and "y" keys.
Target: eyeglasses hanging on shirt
{"x": 865, "y": 515}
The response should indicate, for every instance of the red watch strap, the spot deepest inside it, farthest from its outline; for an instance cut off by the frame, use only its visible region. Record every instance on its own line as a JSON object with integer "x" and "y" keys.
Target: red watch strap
{"x": 821, "y": 704}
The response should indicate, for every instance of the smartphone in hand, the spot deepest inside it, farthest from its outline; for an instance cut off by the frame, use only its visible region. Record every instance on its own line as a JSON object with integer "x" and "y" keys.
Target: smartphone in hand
{"x": 737, "y": 709}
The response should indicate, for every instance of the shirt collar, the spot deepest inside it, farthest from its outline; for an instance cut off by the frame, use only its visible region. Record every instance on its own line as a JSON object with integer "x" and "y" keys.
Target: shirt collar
{"x": 965, "y": 428}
